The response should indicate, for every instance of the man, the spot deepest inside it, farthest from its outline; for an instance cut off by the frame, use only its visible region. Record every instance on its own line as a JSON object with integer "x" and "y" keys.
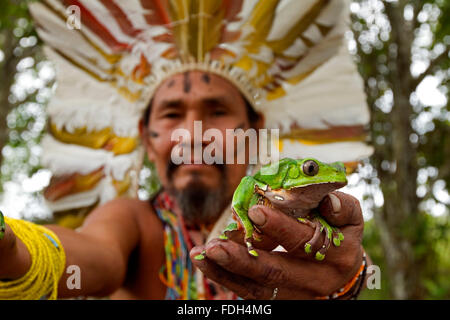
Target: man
{"x": 120, "y": 248}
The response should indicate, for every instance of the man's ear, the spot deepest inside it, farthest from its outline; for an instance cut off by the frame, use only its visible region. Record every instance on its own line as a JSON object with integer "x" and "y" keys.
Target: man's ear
{"x": 143, "y": 133}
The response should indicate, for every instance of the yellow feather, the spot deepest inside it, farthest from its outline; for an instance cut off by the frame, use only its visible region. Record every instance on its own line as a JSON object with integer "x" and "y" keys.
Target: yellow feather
{"x": 179, "y": 13}
{"x": 260, "y": 23}
{"x": 301, "y": 26}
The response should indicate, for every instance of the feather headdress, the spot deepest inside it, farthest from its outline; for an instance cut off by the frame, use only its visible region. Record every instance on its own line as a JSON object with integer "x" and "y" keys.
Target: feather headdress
{"x": 287, "y": 57}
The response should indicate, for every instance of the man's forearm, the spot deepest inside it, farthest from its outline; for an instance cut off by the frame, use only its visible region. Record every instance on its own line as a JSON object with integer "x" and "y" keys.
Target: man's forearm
{"x": 100, "y": 265}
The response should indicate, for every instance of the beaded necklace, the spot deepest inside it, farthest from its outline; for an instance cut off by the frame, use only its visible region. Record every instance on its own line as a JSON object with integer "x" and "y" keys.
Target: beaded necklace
{"x": 178, "y": 273}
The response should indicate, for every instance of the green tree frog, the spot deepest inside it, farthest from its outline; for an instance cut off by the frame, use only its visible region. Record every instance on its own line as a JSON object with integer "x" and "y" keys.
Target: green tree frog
{"x": 294, "y": 187}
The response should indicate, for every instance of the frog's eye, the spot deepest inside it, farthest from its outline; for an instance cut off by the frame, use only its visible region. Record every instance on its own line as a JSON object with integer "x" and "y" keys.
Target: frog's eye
{"x": 310, "y": 168}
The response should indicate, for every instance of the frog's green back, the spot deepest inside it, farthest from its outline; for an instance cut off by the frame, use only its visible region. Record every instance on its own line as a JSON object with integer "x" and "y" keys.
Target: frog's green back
{"x": 289, "y": 173}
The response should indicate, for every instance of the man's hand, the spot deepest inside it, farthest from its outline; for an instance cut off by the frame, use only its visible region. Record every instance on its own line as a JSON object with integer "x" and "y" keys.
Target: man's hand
{"x": 14, "y": 257}
{"x": 297, "y": 275}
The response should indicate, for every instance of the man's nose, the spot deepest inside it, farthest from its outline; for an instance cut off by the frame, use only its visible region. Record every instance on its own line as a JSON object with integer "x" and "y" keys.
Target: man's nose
{"x": 195, "y": 125}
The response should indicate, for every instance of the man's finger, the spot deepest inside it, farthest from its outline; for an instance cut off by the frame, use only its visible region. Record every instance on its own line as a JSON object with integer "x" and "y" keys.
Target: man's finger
{"x": 264, "y": 269}
{"x": 275, "y": 270}
{"x": 265, "y": 243}
{"x": 242, "y": 286}
{"x": 282, "y": 229}
{"x": 341, "y": 209}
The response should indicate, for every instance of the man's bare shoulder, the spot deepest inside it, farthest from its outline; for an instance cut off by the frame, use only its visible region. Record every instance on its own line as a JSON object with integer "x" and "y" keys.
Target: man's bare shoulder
{"x": 125, "y": 206}
{"x": 131, "y": 215}
{"x": 141, "y": 209}
{"x": 136, "y": 205}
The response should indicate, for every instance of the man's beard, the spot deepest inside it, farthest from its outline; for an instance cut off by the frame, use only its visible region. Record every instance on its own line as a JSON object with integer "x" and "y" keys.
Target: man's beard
{"x": 200, "y": 204}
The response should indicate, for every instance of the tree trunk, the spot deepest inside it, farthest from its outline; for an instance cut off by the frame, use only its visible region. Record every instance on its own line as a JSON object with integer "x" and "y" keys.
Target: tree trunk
{"x": 399, "y": 219}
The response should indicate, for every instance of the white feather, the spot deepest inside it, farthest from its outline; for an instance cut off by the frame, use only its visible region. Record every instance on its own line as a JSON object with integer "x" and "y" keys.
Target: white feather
{"x": 80, "y": 101}
{"x": 56, "y": 33}
{"x": 332, "y": 95}
{"x": 77, "y": 200}
{"x": 313, "y": 34}
{"x": 64, "y": 159}
{"x": 287, "y": 14}
{"x": 297, "y": 49}
{"x": 330, "y": 152}
{"x": 135, "y": 12}
{"x": 103, "y": 15}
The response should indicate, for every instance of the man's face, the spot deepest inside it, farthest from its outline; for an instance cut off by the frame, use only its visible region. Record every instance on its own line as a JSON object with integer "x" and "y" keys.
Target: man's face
{"x": 202, "y": 191}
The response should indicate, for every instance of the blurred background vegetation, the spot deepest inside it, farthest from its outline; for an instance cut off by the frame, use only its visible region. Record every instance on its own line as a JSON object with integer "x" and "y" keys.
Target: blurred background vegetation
{"x": 402, "y": 51}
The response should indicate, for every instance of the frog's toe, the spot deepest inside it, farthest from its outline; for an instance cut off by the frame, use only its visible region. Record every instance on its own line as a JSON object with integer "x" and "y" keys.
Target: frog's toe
{"x": 232, "y": 227}
{"x": 250, "y": 248}
{"x": 338, "y": 237}
{"x": 257, "y": 236}
{"x": 200, "y": 256}
{"x": 306, "y": 221}
{"x": 336, "y": 242}
{"x": 313, "y": 245}
{"x": 319, "y": 256}
{"x": 308, "y": 249}
{"x": 315, "y": 238}
{"x": 223, "y": 237}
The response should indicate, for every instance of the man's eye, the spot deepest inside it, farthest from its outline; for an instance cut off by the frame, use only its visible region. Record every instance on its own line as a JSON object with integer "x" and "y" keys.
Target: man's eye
{"x": 171, "y": 115}
{"x": 219, "y": 113}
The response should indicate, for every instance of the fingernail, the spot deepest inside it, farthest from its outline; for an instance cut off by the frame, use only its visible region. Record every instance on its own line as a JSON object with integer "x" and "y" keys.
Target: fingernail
{"x": 335, "y": 202}
{"x": 257, "y": 216}
{"x": 218, "y": 254}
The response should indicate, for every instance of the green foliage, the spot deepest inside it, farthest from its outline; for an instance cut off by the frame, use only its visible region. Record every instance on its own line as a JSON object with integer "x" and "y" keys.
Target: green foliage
{"x": 371, "y": 244}
{"x": 435, "y": 243}
{"x": 149, "y": 182}
{"x": 24, "y": 91}
{"x": 436, "y": 277}
{"x": 21, "y": 154}
{"x": 11, "y": 11}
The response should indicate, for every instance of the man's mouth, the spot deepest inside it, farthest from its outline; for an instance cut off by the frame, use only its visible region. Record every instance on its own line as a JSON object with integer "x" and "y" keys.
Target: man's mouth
{"x": 202, "y": 167}
{"x": 193, "y": 167}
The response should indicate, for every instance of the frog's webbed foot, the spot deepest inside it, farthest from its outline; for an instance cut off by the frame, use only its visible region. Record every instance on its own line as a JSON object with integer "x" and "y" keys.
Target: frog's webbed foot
{"x": 200, "y": 256}
{"x": 332, "y": 234}
{"x": 231, "y": 227}
{"x": 250, "y": 248}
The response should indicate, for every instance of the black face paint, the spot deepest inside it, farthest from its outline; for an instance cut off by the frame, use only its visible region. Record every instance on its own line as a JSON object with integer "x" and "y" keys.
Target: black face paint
{"x": 187, "y": 82}
{"x": 171, "y": 84}
{"x": 206, "y": 78}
